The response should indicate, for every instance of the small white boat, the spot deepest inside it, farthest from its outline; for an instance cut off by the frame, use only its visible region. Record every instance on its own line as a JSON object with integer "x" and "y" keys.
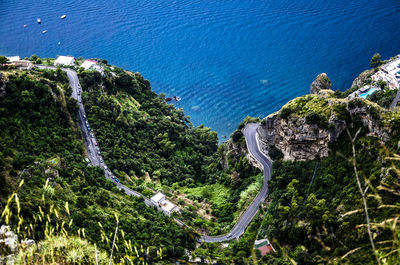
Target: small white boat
{"x": 38, "y": 21}
{"x": 25, "y": 26}
{"x": 44, "y": 31}
{"x": 63, "y": 16}
{"x": 59, "y": 43}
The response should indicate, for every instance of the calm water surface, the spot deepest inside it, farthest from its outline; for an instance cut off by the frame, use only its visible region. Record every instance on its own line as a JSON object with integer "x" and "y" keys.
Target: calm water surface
{"x": 225, "y": 59}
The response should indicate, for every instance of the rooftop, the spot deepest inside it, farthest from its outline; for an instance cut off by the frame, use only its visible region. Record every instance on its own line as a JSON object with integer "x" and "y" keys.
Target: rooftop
{"x": 12, "y": 59}
{"x": 65, "y": 60}
{"x": 158, "y": 197}
{"x": 167, "y": 205}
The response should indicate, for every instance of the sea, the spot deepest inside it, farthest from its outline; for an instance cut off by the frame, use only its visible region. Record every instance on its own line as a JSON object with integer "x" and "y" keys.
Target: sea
{"x": 225, "y": 59}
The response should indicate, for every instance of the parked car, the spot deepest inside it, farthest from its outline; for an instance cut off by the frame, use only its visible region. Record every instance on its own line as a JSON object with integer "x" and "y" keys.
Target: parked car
{"x": 98, "y": 152}
{"x": 88, "y": 128}
{"x": 101, "y": 160}
{"x": 105, "y": 168}
{"x": 116, "y": 180}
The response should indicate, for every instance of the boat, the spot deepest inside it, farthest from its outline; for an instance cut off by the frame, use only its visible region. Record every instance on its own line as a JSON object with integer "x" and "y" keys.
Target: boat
{"x": 25, "y": 26}
{"x": 63, "y": 16}
{"x": 44, "y": 31}
{"x": 38, "y": 21}
{"x": 176, "y": 98}
{"x": 59, "y": 43}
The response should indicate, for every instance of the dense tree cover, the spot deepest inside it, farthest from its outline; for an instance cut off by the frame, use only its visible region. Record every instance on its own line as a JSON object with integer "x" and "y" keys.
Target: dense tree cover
{"x": 41, "y": 141}
{"x": 138, "y": 132}
{"x": 313, "y": 218}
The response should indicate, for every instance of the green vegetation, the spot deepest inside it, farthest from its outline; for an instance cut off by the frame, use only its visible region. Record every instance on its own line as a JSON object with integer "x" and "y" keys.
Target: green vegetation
{"x": 41, "y": 143}
{"x": 67, "y": 206}
{"x": 152, "y": 146}
{"x": 323, "y": 221}
{"x": 315, "y": 109}
{"x": 383, "y": 97}
{"x": 138, "y": 132}
{"x": 376, "y": 60}
{"x": 216, "y": 193}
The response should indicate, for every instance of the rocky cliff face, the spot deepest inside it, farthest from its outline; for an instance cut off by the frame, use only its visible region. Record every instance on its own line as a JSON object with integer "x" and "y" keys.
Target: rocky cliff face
{"x": 359, "y": 80}
{"x": 305, "y": 126}
{"x": 230, "y": 148}
{"x": 321, "y": 82}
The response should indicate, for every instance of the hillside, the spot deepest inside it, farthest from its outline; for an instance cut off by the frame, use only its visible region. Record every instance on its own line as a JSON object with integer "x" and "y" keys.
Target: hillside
{"x": 314, "y": 213}
{"x": 42, "y": 145}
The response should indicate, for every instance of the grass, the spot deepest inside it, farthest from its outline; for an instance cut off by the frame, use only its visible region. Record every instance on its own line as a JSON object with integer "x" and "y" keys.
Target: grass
{"x": 58, "y": 243}
{"x": 248, "y": 195}
{"x": 215, "y": 193}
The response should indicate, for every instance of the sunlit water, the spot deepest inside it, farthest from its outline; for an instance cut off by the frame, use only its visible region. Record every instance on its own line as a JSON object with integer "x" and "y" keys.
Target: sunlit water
{"x": 225, "y": 59}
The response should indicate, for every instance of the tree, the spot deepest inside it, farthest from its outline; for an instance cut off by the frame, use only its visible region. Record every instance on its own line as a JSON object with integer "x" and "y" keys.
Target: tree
{"x": 375, "y": 60}
{"x": 3, "y": 60}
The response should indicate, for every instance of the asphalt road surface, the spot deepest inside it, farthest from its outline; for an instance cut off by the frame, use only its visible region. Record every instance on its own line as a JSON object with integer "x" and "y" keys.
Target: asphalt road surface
{"x": 250, "y": 133}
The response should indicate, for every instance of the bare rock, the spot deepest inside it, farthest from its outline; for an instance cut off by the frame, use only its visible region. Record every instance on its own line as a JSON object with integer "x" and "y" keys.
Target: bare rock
{"x": 321, "y": 82}
{"x": 359, "y": 80}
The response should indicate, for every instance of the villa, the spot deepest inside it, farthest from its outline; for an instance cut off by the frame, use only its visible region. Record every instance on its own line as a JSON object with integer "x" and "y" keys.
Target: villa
{"x": 91, "y": 65}
{"x": 20, "y": 64}
{"x": 390, "y": 73}
{"x": 13, "y": 59}
{"x": 162, "y": 203}
{"x": 65, "y": 60}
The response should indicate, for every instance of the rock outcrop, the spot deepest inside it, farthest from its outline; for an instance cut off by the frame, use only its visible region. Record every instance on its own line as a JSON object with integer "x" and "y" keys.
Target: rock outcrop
{"x": 296, "y": 139}
{"x": 321, "y": 82}
{"x": 237, "y": 149}
{"x": 303, "y": 128}
{"x": 361, "y": 79}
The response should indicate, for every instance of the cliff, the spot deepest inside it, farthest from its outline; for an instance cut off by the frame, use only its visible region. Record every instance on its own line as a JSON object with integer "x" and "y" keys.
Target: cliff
{"x": 362, "y": 78}
{"x": 321, "y": 82}
{"x": 305, "y": 126}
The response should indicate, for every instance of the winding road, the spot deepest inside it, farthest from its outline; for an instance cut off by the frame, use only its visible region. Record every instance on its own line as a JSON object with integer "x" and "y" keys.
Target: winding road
{"x": 250, "y": 133}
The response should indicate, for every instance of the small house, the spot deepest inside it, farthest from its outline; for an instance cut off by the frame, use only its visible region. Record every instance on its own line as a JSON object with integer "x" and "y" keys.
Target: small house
{"x": 263, "y": 246}
{"x": 156, "y": 199}
{"x": 91, "y": 65}
{"x": 65, "y": 60}
{"x": 13, "y": 59}
{"x": 163, "y": 204}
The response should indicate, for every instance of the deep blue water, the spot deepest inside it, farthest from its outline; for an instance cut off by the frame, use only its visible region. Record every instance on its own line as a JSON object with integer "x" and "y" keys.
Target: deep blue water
{"x": 225, "y": 59}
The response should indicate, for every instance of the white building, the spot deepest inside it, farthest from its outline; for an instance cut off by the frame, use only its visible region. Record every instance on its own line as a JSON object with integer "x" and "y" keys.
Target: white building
{"x": 65, "y": 60}
{"x": 168, "y": 207}
{"x": 156, "y": 199}
{"x": 90, "y": 64}
{"x": 23, "y": 64}
{"x": 162, "y": 203}
{"x": 20, "y": 64}
{"x": 390, "y": 73}
{"x": 12, "y": 59}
